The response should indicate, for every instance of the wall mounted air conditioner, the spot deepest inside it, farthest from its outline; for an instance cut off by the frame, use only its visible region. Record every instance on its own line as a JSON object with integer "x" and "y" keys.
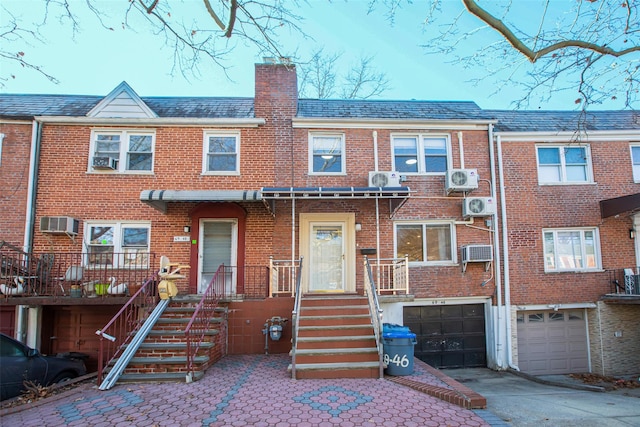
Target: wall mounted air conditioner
{"x": 476, "y": 253}
{"x": 105, "y": 162}
{"x": 478, "y": 206}
{"x": 459, "y": 180}
{"x": 59, "y": 225}
{"x": 384, "y": 179}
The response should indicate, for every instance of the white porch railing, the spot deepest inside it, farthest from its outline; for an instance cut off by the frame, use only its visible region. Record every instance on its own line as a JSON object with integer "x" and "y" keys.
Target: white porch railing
{"x": 282, "y": 277}
{"x": 391, "y": 275}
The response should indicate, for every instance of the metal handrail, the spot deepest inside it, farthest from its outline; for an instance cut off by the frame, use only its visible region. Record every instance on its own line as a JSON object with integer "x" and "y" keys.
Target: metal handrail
{"x": 201, "y": 319}
{"x": 296, "y": 319}
{"x": 120, "y": 330}
{"x": 375, "y": 311}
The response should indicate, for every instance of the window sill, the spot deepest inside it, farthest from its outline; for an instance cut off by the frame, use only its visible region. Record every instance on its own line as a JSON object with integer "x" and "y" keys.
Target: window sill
{"x": 551, "y": 184}
{"x": 221, "y": 173}
{"x": 115, "y": 172}
{"x": 591, "y": 270}
{"x": 327, "y": 174}
{"x": 433, "y": 264}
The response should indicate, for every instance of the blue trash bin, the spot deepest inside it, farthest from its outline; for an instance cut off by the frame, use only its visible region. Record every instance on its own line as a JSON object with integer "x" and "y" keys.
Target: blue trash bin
{"x": 398, "y": 350}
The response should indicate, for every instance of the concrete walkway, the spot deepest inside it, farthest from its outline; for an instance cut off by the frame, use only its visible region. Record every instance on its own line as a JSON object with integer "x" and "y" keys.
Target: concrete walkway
{"x": 256, "y": 390}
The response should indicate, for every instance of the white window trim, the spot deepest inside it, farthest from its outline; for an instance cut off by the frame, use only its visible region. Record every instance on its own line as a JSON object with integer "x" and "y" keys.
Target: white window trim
{"x": 421, "y": 163}
{"x": 589, "y": 171}
{"x": 596, "y": 242}
{"x": 205, "y": 149}
{"x": 1, "y": 140}
{"x": 631, "y": 147}
{"x": 343, "y": 154}
{"x": 117, "y": 238}
{"x": 454, "y": 245}
{"x": 124, "y": 141}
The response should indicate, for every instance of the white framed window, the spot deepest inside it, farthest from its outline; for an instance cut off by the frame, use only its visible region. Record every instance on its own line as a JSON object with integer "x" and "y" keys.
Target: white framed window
{"x": 635, "y": 161}
{"x": 221, "y": 153}
{"x": 425, "y": 242}
{"x": 129, "y": 151}
{"x": 563, "y": 164}
{"x": 118, "y": 244}
{"x": 568, "y": 249}
{"x": 326, "y": 154}
{"x": 421, "y": 154}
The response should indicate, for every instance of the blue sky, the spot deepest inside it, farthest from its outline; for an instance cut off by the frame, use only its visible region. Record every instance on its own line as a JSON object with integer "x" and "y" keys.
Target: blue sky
{"x": 97, "y": 60}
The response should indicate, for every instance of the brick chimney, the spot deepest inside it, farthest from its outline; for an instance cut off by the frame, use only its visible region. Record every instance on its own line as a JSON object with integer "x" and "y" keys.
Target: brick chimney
{"x": 276, "y": 91}
{"x": 276, "y": 101}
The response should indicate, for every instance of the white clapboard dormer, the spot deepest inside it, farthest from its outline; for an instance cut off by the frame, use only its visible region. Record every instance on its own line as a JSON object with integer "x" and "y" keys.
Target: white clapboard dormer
{"x": 122, "y": 102}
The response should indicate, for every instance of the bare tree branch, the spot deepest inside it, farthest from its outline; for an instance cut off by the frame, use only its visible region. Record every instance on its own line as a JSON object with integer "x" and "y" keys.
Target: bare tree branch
{"x": 533, "y": 55}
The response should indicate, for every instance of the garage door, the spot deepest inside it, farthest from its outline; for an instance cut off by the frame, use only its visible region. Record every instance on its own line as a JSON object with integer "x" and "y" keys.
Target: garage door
{"x": 7, "y": 320}
{"x": 449, "y": 336}
{"x": 73, "y": 329}
{"x": 552, "y": 342}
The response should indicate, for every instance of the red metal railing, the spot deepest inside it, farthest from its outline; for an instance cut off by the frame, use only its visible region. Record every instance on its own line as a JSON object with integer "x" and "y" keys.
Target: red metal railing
{"x": 205, "y": 311}
{"x": 116, "y": 334}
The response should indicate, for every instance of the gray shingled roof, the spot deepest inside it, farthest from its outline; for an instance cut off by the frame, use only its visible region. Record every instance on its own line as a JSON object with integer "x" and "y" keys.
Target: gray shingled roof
{"x": 27, "y": 106}
{"x": 359, "y": 109}
{"x": 564, "y": 121}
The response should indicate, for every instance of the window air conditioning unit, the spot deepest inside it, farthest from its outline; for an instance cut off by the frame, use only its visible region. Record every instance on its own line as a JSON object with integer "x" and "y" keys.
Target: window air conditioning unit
{"x": 59, "y": 225}
{"x": 105, "y": 162}
{"x": 461, "y": 180}
{"x": 476, "y": 253}
{"x": 478, "y": 206}
{"x": 384, "y": 179}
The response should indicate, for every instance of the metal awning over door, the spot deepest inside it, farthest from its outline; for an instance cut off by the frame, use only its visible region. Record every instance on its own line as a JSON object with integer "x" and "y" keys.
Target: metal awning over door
{"x": 397, "y": 196}
{"x": 158, "y": 199}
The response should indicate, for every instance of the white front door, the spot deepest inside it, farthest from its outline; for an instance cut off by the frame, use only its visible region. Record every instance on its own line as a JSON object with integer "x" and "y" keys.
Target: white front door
{"x": 218, "y": 245}
{"x": 327, "y": 257}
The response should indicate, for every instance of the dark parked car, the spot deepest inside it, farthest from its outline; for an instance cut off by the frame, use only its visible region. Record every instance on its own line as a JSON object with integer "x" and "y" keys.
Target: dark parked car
{"x": 19, "y": 363}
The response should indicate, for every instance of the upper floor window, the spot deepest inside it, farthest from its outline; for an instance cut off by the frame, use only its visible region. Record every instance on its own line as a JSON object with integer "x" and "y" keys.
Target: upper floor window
{"x": 571, "y": 249}
{"x": 563, "y": 164}
{"x": 420, "y": 153}
{"x": 425, "y": 242}
{"x": 326, "y": 153}
{"x": 118, "y": 245}
{"x": 122, "y": 151}
{"x": 221, "y": 153}
{"x": 635, "y": 161}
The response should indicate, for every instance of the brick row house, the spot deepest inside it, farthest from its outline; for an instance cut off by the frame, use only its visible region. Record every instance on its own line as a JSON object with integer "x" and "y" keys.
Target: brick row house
{"x": 502, "y": 239}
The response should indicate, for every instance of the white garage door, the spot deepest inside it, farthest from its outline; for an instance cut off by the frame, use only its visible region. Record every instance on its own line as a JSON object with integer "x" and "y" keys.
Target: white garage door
{"x": 552, "y": 342}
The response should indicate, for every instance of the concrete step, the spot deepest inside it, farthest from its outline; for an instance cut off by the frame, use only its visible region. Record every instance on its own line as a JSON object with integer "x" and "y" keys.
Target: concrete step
{"x": 178, "y": 345}
{"x": 158, "y": 377}
{"x": 182, "y": 320}
{"x": 337, "y": 370}
{"x": 337, "y": 355}
{"x": 334, "y": 331}
{"x": 331, "y": 320}
{"x": 170, "y": 360}
{"x": 177, "y": 332}
{"x": 327, "y": 342}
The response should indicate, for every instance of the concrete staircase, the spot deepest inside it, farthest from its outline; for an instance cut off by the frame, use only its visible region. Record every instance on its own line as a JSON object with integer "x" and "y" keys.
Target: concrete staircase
{"x": 336, "y": 338}
{"x": 163, "y": 355}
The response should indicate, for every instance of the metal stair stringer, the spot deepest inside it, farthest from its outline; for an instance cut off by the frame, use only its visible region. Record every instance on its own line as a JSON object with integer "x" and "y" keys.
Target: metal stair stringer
{"x": 132, "y": 348}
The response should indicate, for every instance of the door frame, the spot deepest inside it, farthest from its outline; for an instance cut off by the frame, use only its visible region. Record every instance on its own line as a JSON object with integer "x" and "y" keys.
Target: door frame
{"x": 200, "y": 287}
{"x": 349, "y": 222}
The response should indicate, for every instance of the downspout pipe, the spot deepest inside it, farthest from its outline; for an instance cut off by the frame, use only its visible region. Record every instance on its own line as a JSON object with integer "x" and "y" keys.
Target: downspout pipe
{"x": 505, "y": 243}
{"x": 22, "y": 318}
{"x": 34, "y": 166}
{"x": 497, "y": 263}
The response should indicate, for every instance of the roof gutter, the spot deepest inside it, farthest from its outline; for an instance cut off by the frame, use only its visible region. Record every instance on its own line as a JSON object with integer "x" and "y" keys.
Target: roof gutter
{"x": 163, "y": 121}
{"x": 352, "y": 123}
